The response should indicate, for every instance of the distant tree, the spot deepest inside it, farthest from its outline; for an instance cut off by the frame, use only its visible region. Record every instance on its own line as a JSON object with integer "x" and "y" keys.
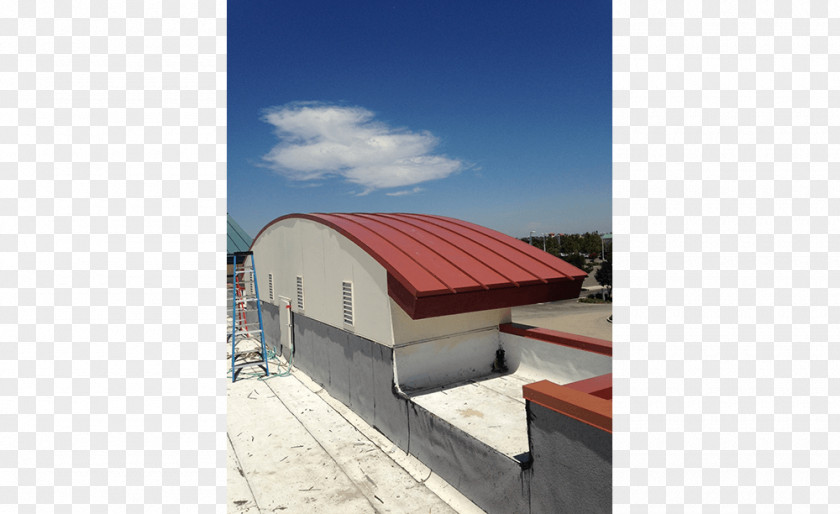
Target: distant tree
{"x": 604, "y": 276}
{"x": 591, "y": 243}
{"x": 570, "y": 244}
{"x": 575, "y": 259}
{"x": 552, "y": 247}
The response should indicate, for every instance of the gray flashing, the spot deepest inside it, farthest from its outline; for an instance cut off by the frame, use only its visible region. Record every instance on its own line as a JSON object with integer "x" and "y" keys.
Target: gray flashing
{"x": 359, "y": 373}
{"x": 556, "y": 440}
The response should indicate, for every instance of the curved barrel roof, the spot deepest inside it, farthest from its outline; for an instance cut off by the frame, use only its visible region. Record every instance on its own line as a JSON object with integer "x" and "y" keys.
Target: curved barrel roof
{"x": 438, "y": 265}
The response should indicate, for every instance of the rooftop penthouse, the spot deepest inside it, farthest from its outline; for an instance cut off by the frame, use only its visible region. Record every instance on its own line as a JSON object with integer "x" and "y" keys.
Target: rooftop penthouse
{"x": 406, "y": 320}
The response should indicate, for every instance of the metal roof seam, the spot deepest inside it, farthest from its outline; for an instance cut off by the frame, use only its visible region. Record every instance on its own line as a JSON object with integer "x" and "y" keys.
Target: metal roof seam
{"x": 479, "y": 243}
{"x": 490, "y": 233}
{"x": 377, "y": 256}
{"x": 437, "y": 266}
{"x": 322, "y": 219}
{"x": 460, "y": 268}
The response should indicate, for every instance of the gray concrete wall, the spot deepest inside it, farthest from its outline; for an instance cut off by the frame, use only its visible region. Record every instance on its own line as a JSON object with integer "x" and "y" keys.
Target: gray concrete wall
{"x": 491, "y": 479}
{"x": 355, "y": 370}
{"x": 359, "y": 372}
{"x": 572, "y": 464}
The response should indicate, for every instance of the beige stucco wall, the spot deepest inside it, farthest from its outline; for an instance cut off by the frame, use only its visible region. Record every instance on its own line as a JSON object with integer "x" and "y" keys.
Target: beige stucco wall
{"x": 407, "y": 330}
{"x": 446, "y": 349}
{"x": 324, "y": 258}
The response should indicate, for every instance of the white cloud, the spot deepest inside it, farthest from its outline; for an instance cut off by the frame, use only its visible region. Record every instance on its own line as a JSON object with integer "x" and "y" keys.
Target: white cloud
{"x": 319, "y": 141}
{"x": 405, "y": 192}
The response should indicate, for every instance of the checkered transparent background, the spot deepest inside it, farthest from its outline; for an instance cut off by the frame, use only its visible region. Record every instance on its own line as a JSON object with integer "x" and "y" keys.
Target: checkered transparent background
{"x": 727, "y": 233}
{"x": 112, "y": 147}
{"x": 112, "y": 201}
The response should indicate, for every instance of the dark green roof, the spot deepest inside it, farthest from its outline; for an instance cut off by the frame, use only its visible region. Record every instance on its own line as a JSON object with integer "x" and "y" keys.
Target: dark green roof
{"x": 237, "y": 239}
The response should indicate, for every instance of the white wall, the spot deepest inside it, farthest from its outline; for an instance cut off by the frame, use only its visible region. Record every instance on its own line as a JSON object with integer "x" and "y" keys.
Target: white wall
{"x": 409, "y": 330}
{"x": 324, "y": 258}
{"x": 540, "y": 360}
{"x": 446, "y": 360}
{"x": 436, "y": 351}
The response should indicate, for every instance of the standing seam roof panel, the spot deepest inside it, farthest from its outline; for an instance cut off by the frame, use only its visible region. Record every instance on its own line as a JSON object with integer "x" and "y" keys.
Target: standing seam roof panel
{"x": 438, "y": 265}
{"x": 463, "y": 254}
{"x": 502, "y": 245}
{"x": 389, "y": 254}
{"x": 503, "y": 261}
{"x": 472, "y": 269}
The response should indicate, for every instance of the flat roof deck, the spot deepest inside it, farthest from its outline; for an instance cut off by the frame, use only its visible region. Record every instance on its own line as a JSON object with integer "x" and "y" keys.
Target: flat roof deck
{"x": 293, "y": 447}
{"x": 489, "y": 408}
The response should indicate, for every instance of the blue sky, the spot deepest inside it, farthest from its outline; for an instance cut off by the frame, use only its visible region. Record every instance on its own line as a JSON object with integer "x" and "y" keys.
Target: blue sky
{"x": 498, "y": 113}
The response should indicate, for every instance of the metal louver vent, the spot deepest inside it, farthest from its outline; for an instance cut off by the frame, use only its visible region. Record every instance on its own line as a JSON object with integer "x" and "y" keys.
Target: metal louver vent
{"x": 347, "y": 301}
{"x": 271, "y": 287}
{"x": 300, "y": 293}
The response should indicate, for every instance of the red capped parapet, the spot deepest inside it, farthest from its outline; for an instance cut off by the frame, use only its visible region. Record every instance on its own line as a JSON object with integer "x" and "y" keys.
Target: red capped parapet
{"x": 580, "y": 342}
{"x": 588, "y": 401}
{"x": 438, "y": 266}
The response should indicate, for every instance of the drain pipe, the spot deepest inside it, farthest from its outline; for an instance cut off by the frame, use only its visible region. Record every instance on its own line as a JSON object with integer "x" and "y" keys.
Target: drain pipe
{"x": 397, "y": 389}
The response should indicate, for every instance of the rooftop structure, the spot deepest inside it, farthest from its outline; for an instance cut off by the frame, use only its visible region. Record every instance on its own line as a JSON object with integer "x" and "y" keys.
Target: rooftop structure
{"x": 438, "y": 266}
{"x": 406, "y": 320}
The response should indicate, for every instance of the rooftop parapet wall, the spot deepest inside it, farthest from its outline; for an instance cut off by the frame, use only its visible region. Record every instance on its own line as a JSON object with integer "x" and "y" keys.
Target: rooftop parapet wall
{"x": 570, "y": 424}
{"x": 589, "y": 344}
{"x": 575, "y": 401}
{"x": 572, "y": 460}
{"x": 600, "y": 386}
{"x": 537, "y": 353}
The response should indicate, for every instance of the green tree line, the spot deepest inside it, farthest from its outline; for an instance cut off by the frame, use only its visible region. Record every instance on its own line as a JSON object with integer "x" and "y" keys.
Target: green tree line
{"x": 571, "y": 244}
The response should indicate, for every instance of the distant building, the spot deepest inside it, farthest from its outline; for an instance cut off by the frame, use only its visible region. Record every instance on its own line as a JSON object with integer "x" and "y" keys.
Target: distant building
{"x": 237, "y": 239}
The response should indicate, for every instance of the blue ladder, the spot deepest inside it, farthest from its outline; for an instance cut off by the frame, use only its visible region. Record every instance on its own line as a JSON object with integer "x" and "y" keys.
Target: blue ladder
{"x": 244, "y": 273}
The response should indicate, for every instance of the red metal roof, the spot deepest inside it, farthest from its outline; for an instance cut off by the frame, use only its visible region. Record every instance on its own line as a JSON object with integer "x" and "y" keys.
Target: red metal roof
{"x": 438, "y": 265}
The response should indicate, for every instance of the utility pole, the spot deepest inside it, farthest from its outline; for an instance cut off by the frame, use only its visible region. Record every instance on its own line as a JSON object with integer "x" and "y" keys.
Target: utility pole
{"x": 544, "y": 236}
{"x": 531, "y": 237}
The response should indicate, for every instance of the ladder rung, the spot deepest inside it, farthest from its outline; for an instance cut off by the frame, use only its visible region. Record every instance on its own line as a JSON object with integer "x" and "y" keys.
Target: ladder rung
{"x": 241, "y": 365}
{"x": 257, "y": 331}
{"x": 249, "y": 329}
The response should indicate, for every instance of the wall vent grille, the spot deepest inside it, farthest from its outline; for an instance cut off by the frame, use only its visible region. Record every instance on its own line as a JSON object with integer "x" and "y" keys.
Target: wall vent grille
{"x": 347, "y": 301}
{"x": 271, "y": 287}
{"x": 300, "y": 293}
